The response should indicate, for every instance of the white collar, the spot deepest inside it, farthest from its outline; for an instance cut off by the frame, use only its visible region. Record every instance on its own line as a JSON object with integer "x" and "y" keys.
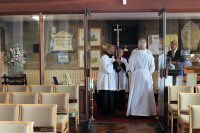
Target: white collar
{"x": 175, "y": 50}
{"x": 142, "y": 51}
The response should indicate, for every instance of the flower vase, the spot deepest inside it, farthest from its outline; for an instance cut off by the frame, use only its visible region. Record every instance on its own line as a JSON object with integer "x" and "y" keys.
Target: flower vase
{"x": 15, "y": 70}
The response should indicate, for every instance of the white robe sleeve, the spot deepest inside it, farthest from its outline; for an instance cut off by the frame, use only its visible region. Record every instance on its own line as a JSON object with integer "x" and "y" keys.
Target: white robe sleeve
{"x": 107, "y": 66}
{"x": 130, "y": 66}
{"x": 151, "y": 64}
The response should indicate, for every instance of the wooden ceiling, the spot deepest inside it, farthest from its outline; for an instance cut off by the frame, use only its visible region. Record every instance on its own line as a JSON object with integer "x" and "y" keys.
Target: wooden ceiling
{"x": 79, "y": 6}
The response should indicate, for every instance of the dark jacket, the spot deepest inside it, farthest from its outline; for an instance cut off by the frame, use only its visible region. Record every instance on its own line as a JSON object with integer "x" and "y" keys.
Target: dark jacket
{"x": 177, "y": 56}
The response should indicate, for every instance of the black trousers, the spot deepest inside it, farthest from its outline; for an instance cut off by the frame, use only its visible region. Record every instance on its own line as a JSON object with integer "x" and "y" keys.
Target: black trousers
{"x": 121, "y": 100}
{"x": 107, "y": 101}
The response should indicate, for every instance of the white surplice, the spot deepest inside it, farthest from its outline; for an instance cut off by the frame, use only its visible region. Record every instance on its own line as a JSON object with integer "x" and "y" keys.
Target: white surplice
{"x": 141, "y": 97}
{"x": 106, "y": 77}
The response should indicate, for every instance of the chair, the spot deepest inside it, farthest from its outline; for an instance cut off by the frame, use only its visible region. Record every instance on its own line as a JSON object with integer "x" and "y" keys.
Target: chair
{"x": 194, "y": 118}
{"x": 191, "y": 79}
{"x": 172, "y": 101}
{"x": 184, "y": 101}
{"x": 24, "y": 98}
{"x": 16, "y": 127}
{"x": 17, "y": 88}
{"x": 198, "y": 89}
{"x": 4, "y": 97}
{"x": 43, "y": 115}
{"x": 2, "y": 88}
{"x": 9, "y": 112}
{"x": 73, "y": 99}
{"x": 41, "y": 88}
{"x": 62, "y": 100}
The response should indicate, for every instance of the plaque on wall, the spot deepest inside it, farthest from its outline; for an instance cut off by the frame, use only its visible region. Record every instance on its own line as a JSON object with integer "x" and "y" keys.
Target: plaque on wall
{"x": 61, "y": 41}
{"x": 63, "y": 58}
{"x": 190, "y": 36}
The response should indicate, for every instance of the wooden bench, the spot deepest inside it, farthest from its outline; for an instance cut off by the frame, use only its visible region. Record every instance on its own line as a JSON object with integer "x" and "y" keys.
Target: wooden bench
{"x": 17, "y": 80}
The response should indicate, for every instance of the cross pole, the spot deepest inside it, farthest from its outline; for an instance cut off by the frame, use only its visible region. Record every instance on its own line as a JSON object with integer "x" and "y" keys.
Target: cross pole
{"x": 118, "y": 30}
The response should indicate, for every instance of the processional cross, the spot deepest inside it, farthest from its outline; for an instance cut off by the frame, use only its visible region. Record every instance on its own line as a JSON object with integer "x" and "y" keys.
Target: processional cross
{"x": 117, "y": 30}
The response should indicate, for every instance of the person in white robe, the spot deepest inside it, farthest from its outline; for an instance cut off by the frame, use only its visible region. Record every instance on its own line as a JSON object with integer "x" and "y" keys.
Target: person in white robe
{"x": 122, "y": 81}
{"x": 134, "y": 51}
{"x": 141, "y": 97}
{"x": 106, "y": 82}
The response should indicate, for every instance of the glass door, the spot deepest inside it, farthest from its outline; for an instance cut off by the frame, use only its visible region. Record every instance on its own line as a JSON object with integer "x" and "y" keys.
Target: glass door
{"x": 162, "y": 114}
{"x": 87, "y": 70}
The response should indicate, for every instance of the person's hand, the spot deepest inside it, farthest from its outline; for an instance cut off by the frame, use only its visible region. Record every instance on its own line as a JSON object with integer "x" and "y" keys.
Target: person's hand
{"x": 119, "y": 68}
{"x": 123, "y": 60}
{"x": 112, "y": 59}
{"x": 118, "y": 61}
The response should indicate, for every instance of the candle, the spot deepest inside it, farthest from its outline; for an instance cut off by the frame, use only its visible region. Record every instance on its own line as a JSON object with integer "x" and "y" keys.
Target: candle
{"x": 92, "y": 83}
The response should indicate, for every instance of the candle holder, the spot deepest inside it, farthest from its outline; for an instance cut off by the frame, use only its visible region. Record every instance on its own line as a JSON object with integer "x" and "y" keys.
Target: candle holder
{"x": 91, "y": 91}
{"x": 91, "y": 104}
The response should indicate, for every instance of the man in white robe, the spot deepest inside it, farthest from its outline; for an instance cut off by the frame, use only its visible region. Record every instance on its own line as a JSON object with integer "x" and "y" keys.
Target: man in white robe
{"x": 134, "y": 51}
{"x": 106, "y": 82}
{"x": 121, "y": 81}
{"x": 141, "y": 97}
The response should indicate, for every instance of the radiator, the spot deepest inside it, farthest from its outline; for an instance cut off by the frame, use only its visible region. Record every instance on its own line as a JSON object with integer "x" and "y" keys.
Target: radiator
{"x": 77, "y": 76}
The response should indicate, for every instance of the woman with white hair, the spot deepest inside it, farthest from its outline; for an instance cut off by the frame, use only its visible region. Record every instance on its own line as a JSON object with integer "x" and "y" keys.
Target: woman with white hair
{"x": 141, "y": 97}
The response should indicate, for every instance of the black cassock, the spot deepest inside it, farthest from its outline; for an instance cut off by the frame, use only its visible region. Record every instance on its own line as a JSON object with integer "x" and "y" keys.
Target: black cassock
{"x": 121, "y": 95}
{"x": 107, "y": 99}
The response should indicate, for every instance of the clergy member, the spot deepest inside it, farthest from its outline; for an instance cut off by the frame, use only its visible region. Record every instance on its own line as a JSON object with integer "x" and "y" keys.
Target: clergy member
{"x": 141, "y": 97}
{"x": 134, "y": 51}
{"x": 106, "y": 82}
{"x": 122, "y": 82}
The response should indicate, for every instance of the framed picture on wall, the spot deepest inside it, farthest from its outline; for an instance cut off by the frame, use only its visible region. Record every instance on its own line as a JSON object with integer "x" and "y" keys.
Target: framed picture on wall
{"x": 95, "y": 37}
{"x": 81, "y": 58}
{"x": 2, "y": 39}
{"x": 94, "y": 57}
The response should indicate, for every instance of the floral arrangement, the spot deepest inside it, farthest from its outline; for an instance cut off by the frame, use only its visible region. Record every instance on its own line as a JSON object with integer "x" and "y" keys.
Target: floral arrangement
{"x": 15, "y": 56}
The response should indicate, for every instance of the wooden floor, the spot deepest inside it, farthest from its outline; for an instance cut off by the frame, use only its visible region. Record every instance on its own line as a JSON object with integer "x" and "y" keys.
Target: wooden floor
{"x": 117, "y": 128}
{"x": 118, "y": 123}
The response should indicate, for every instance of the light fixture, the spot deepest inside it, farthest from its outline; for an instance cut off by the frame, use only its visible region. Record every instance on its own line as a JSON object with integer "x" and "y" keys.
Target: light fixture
{"x": 124, "y": 2}
{"x": 36, "y": 17}
{"x": 125, "y": 49}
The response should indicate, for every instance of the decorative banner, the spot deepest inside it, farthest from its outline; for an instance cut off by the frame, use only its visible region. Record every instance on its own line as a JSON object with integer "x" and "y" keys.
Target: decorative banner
{"x": 190, "y": 36}
{"x": 154, "y": 43}
{"x": 169, "y": 39}
{"x": 62, "y": 41}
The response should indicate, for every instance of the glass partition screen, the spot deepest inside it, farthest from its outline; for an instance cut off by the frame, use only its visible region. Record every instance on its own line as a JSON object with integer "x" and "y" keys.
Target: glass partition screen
{"x": 19, "y": 43}
{"x": 64, "y": 49}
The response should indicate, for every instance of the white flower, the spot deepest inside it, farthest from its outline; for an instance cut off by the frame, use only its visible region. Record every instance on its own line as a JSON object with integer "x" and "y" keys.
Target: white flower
{"x": 16, "y": 56}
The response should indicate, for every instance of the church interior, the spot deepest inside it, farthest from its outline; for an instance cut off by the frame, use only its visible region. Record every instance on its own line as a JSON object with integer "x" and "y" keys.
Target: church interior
{"x": 51, "y": 57}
